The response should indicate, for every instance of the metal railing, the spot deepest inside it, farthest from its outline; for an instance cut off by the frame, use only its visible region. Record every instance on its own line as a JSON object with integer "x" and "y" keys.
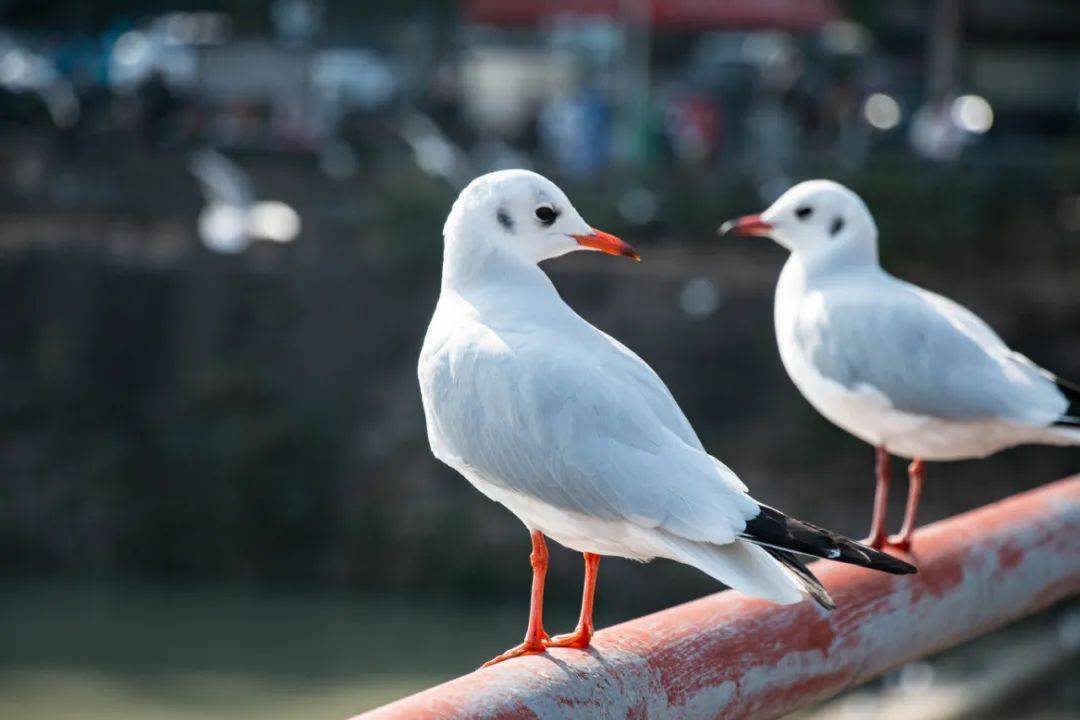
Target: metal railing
{"x": 731, "y": 656}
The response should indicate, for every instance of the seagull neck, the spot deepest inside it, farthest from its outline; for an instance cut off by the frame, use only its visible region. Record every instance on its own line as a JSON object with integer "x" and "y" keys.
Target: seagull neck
{"x": 488, "y": 268}
{"x": 840, "y": 259}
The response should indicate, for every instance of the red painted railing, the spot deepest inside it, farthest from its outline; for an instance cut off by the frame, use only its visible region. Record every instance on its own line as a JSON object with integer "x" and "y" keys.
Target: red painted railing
{"x": 731, "y": 656}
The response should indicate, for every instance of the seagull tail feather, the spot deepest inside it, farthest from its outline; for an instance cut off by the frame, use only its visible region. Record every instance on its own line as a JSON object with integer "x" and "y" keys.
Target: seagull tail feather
{"x": 773, "y": 529}
{"x": 1071, "y": 417}
{"x": 740, "y": 565}
{"x": 803, "y": 576}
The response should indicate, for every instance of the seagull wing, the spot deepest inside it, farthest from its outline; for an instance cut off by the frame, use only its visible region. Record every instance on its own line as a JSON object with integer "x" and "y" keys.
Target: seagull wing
{"x": 655, "y": 393}
{"x": 582, "y": 426}
{"x": 221, "y": 179}
{"x": 923, "y": 352}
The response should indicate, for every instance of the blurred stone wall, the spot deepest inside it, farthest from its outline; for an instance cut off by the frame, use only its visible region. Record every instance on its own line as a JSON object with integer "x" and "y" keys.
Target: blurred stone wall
{"x": 172, "y": 413}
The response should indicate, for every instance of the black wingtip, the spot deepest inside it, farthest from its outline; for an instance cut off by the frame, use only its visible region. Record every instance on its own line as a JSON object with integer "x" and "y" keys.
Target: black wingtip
{"x": 809, "y": 582}
{"x": 885, "y": 562}
{"x": 774, "y": 529}
{"x": 1071, "y": 391}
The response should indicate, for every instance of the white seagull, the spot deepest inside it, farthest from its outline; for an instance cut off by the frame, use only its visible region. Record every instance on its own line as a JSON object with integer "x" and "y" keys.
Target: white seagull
{"x": 907, "y": 370}
{"x": 572, "y": 431}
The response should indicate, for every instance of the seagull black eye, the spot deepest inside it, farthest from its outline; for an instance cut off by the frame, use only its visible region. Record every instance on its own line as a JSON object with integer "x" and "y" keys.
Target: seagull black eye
{"x": 804, "y": 212}
{"x": 546, "y": 214}
{"x": 837, "y": 225}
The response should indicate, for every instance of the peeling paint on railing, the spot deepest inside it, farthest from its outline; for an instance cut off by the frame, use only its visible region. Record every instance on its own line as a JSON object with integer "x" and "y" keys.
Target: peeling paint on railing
{"x": 733, "y": 657}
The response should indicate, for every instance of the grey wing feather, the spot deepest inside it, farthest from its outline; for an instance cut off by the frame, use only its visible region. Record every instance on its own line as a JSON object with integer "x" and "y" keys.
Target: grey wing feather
{"x": 589, "y": 439}
{"x": 924, "y": 353}
{"x": 656, "y": 394}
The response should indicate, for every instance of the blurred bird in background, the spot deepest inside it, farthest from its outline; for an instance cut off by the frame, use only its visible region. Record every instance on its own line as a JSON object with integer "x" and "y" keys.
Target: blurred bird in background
{"x": 232, "y": 217}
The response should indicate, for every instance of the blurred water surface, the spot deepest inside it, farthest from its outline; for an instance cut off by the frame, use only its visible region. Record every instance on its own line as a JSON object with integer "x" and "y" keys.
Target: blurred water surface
{"x": 95, "y": 650}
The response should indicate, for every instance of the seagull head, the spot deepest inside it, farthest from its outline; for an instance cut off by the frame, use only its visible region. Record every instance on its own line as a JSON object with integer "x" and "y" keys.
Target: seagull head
{"x": 523, "y": 217}
{"x": 814, "y": 218}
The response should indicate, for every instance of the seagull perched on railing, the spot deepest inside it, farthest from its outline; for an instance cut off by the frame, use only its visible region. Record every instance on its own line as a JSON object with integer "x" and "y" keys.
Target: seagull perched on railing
{"x": 572, "y": 431}
{"x": 907, "y": 370}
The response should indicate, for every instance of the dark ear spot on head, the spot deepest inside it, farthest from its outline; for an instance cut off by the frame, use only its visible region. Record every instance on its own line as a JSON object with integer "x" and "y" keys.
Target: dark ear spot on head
{"x": 505, "y": 220}
{"x": 837, "y": 225}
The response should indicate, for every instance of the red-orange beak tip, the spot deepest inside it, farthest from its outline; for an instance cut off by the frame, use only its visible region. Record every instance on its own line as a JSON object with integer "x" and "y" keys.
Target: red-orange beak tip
{"x": 607, "y": 243}
{"x": 746, "y": 226}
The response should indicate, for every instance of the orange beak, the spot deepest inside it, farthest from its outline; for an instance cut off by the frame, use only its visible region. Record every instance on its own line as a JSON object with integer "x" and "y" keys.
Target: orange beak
{"x": 605, "y": 242}
{"x": 747, "y": 226}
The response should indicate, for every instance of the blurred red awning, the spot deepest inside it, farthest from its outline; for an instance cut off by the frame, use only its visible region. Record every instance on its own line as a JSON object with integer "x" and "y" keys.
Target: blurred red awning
{"x": 793, "y": 15}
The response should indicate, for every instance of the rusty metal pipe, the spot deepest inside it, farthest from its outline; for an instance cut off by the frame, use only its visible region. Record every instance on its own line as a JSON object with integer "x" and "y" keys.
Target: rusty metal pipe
{"x": 731, "y": 656}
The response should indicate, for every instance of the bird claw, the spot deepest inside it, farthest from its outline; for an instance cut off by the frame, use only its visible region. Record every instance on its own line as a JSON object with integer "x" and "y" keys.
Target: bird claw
{"x": 529, "y": 647}
{"x": 899, "y": 542}
{"x": 877, "y": 542}
{"x": 580, "y": 638}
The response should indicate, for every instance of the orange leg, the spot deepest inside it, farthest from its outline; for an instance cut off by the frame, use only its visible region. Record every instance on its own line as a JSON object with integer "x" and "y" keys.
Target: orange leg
{"x": 534, "y": 635}
{"x": 582, "y": 635}
{"x": 916, "y": 475}
{"x": 881, "y": 499}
